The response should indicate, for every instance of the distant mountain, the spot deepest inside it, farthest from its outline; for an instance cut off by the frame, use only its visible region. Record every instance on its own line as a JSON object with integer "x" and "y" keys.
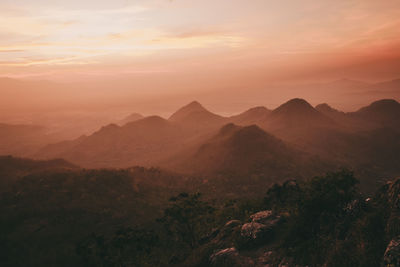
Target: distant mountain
{"x": 194, "y": 140}
{"x": 245, "y": 151}
{"x": 136, "y": 143}
{"x": 296, "y": 119}
{"x": 385, "y": 112}
{"x": 297, "y": 109}
{"x": 254, "y": 115}
{"x": 194, "y": 115}
{"x": 130, "y": 118}
{"x": 345, "y": 120}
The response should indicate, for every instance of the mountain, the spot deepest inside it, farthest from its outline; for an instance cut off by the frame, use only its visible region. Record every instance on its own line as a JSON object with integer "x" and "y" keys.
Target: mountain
{"x": 385, "y": 113}
{"x": 295, "y": 120}
{"x": 297, "y": 112}
{"x": 254, "y": 115}
{"x": 136, "y": 143}
{"x": 242, "y": 152}
{"x": 194, "y": 115}
{"x": 345, "y": 120}
{"x": 194, "y": 140}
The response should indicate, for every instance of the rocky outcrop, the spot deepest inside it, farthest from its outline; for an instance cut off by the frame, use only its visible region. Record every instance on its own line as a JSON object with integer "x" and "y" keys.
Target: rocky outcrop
{"x": 392, "y": 193}
{"x": 261, "y": 227}
{"x": 392, "y": 253}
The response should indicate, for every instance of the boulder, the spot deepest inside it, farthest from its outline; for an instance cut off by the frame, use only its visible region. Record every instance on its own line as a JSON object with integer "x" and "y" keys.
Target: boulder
{"x": 266, "y": 217}
{"x": 261, "y": 216}
{"x": 262, "y": 224}
{"x": 254, "y": 230}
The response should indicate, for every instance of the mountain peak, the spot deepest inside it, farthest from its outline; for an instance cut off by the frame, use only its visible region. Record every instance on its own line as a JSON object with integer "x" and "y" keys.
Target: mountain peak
{"x": 193, "y": 112}
{"x": 294, "y": 105}
{"x": 296, "y": 113}
{"x": 385, "y": 102}
{"x": 194, "y": 104}
{"x": 382, "y": 105}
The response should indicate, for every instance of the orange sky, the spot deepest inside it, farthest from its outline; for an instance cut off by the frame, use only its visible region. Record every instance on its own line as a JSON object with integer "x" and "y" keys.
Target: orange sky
{"x": 153, "y": 56}
{"x": 64, "y": 40}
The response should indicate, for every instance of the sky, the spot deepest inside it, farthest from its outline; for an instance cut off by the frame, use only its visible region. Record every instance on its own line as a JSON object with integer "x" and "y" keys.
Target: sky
{"x": 97, "y": 38}
{"x": 185, "y": 46}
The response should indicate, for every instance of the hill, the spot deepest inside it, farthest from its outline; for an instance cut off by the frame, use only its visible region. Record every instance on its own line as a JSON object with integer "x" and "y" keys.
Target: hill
{"x": 194, "y": 115}
{"x": 246, "y": 153}
{"x": 136, "y": 143}
{"x": 296, "y": 114}
{"x": 385, "y": 113}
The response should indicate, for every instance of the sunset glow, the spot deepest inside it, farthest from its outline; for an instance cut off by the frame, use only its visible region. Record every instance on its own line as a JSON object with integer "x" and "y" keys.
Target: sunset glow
{"x": 50, "y": 38}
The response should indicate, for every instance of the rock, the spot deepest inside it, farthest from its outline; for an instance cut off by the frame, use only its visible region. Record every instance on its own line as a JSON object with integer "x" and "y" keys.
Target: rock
{"x": 265, "y": 217}
{"x": 229, "y": 257}
{"x": 261, "y": 217}
{"x": 393, "y": 199}
{"x": 254, "y": 230}
{"x": 262, "y": 223}
{"x": 394, "y": 194}
{"x": 392, "y": 254}
{"x": 228, "y": 232}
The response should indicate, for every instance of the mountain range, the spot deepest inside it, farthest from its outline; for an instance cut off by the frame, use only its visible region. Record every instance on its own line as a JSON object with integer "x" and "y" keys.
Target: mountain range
{"x": 196, "y": 140}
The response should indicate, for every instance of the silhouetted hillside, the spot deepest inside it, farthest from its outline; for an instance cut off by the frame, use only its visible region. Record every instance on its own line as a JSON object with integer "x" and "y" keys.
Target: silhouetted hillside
{"x": 385, "y": 113}
{"x": 191, "y": 141}
{"x": 245, "y": 153}
{"x": 296, "y": 114}
{"x": 196, "y": 116}
{"x": 135, "y": 143}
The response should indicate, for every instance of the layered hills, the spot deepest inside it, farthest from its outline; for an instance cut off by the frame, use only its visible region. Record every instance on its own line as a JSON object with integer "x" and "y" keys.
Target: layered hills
{"x": 197, "y": 140}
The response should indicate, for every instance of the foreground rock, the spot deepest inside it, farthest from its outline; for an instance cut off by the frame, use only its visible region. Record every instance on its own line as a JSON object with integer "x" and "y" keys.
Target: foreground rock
{"x": 261, "y": 227}
{"x": 392, "y": 253}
